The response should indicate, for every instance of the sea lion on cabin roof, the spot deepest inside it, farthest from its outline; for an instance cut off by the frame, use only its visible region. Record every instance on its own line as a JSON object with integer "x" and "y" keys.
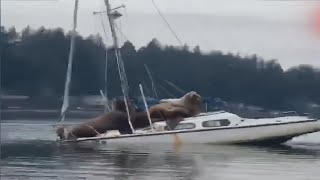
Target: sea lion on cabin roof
{"x": 187, "y": 106}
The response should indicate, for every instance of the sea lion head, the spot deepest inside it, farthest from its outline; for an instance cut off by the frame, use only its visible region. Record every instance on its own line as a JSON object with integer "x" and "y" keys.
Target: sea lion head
{"x": 192, "y": 98}
{"x": 193, "y": 102}
{"x": 61, "y": 132}
{"x": 118, "y": 104}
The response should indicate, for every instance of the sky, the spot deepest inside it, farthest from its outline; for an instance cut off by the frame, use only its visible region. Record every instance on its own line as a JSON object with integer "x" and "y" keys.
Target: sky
{"x": 273, "y": 29}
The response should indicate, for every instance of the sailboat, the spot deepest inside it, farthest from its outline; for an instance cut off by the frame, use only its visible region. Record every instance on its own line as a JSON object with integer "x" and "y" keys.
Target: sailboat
{"x": 217, "y": 127}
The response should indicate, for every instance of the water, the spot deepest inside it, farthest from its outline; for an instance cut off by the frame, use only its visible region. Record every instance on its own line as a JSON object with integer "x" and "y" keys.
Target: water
{"x": 29, "y": 151}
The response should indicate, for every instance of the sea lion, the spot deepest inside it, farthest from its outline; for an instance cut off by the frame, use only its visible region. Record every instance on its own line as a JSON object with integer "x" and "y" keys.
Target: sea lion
{"x": 139, "y": 119}
{"x": 117, "y": 119}
{"x": 114, "y": 120}
{"x": 118, "y": 104}
{"x": 187, "y": 106}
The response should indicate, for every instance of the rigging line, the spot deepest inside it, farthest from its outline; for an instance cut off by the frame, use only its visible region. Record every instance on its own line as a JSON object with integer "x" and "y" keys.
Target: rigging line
{"x": 166, "y": 91}
{"x": 124, "y": 73}
{"x": 167, "y": 23}
{"x": 146, "y": 106}
{"x": 175, "y": 86}
{"x": 125, "y": 92}
{"x": 123, "y": 38}
{"x": 105, "y": 95}
{"x": 122, "y": 34}
{"x": 126, "y": 13}
{"x": 106, "y": 100}
{"x": 95, "y": 26}
{"x": 152, "y": 83}
{"x": 65, "y": 104}
{"x": 118, "y": 28}
{"x": 103, "y": 27}
{"x": 124, "y": 84}
{"x": 1, "y": 49}
{"x": 106, "y": 103}
{"x": 146, "y": 87}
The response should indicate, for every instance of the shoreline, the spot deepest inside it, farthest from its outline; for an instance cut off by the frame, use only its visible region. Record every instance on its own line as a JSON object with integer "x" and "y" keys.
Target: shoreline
{"x": 36, "y": 114}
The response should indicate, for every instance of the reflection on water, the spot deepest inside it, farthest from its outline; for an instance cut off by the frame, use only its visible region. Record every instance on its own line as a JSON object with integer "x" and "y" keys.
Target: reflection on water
{"x": 30, "y": 152}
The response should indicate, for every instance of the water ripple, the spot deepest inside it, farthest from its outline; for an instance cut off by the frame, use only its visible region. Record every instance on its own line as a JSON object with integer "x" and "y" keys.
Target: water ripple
{"x": 30, "y": 152}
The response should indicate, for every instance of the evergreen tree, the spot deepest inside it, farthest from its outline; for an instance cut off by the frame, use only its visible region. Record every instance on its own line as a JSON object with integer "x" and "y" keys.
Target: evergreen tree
{"x": 34, "y": 62}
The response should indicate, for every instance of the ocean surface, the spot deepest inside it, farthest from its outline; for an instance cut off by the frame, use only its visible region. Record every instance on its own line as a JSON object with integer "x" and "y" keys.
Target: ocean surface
{"x": 29, "y": 151}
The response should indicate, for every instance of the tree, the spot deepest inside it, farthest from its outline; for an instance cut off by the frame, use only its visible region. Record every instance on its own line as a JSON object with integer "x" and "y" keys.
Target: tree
{"x": 196, "y": 50}
{"x": 35, "y": 63}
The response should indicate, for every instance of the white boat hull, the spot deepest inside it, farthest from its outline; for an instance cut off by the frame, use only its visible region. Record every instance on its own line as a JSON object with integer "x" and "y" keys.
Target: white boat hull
{"x": 274, "y": 133}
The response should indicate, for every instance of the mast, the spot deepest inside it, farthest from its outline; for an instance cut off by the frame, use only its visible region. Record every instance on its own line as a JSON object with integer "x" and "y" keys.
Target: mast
{"x": 112, "y": 15}
{"x": 65, "y": 104}
{"x": 1, "y": 49}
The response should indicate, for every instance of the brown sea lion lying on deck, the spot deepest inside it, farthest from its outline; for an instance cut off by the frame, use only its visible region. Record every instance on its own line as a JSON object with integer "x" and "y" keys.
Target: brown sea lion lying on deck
{"x": 117, "y": 119}
{"x": 108, "y": 121}
{"x": 187, "y": 106}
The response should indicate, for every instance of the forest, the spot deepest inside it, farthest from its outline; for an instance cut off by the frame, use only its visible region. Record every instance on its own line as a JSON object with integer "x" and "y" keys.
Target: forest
{"x": 34, "y": 63}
